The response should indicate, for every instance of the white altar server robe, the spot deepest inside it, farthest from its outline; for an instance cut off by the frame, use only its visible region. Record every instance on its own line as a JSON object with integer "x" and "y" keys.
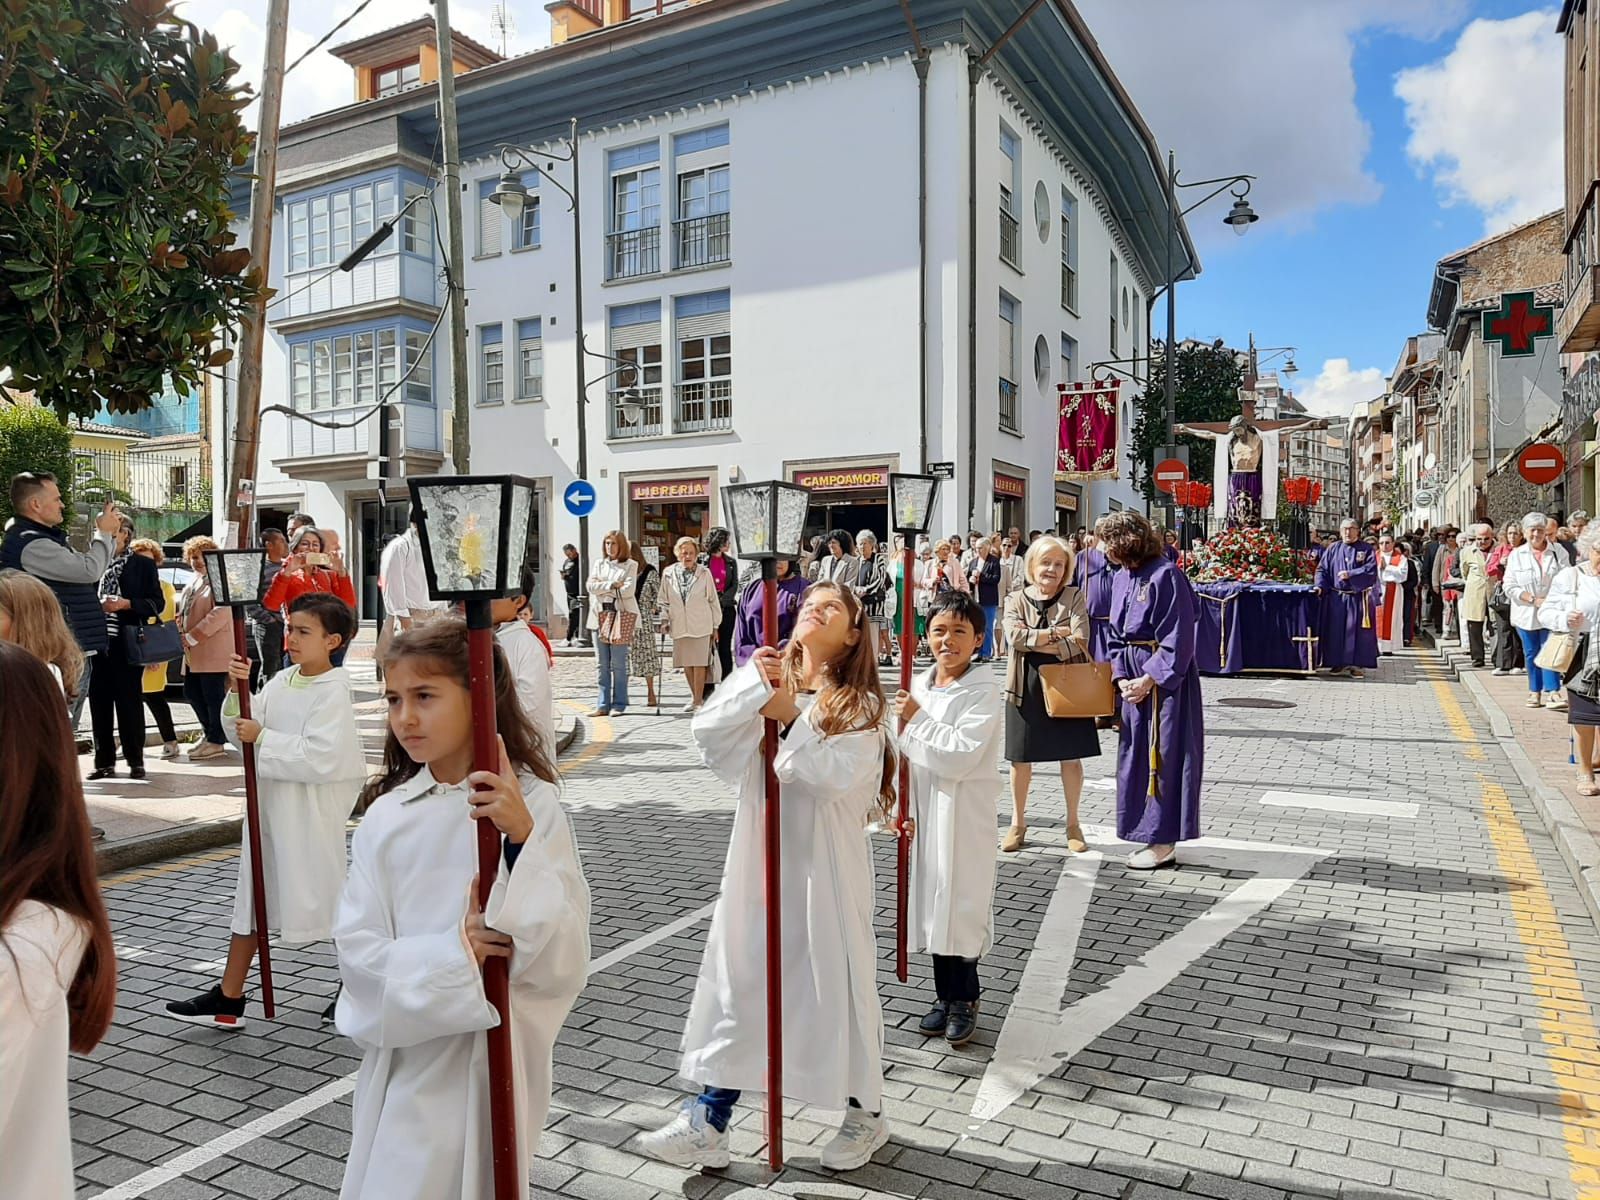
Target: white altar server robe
{"x": 953, "y": 747}
{"x": 309, "y": 771}
{"x": 832, "y": 1020}
{"x": 530, "y": 668}
{"x": 413, "y": 996}
{"x": 40, "y": 949}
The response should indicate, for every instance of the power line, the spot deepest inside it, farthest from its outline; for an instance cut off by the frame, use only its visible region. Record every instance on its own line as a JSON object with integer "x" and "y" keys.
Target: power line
{"x": 323, "y": 41}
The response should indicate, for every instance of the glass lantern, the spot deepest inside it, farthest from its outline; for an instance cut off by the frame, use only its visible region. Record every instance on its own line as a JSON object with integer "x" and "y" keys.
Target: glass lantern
{"x": 236, "y": 576}
{"x": 911, "y": 500}
{"x": 476, "y": 533}
{"x": 767, "y": 519}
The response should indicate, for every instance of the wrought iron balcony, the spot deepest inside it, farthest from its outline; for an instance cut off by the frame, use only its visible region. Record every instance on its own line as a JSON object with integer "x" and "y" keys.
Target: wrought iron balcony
{"x": 1008, "y": 237}
{"x": 646, "y": 419}
{"x": 1008, "y": 406}
{"x": 632, "y": 252}
{"x": 1578, "y": 326}
{"x": 701, "y": 241}
{"x": 705, "y": 407}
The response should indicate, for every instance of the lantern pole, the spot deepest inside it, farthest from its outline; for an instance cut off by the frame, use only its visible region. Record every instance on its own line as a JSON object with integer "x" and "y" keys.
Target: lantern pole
{"x": 252, "y": 815}
{"x": 908, "y": 651}
{"x": 774, "y": 889}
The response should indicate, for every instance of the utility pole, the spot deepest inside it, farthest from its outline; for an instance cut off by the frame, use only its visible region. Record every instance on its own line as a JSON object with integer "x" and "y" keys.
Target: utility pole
{"x": 263, "y": 199}
{"x": 455, "y": 285}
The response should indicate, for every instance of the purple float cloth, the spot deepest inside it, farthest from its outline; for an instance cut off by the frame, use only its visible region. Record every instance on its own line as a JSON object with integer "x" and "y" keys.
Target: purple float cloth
{"x": 1348, "y": 626}
{"x": 1157, "y": 604}
{"x": 1244, "y": 498}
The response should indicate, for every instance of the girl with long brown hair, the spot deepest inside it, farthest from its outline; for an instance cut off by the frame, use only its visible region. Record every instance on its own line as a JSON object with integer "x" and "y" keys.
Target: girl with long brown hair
{"x": 836, "y": 771}
{"x": 30, "y": 616}
{"x": 411, "y": 936}
{"x": 58, "y": 971}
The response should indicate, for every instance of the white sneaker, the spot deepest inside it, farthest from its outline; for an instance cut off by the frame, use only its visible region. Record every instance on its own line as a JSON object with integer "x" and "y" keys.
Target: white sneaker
{"x": 1146, "y": 860}
{"x": 858, "y": 1139}
{"x": 688, "y": 708}
{"x": 1554, "y": 700}
{"x": 1501, "y": 671}
{"x": 169, "y": 750}
{"x": 689, "y": 1141}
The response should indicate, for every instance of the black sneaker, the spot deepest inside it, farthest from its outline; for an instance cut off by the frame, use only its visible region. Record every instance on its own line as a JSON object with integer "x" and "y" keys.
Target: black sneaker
{"x": 135, "y": 772}
{"x": 103, "y": 773}
{"x": 938, "y": 1017}
{"x": 210, "y": 1008}
{"x": 963, "y": 1022}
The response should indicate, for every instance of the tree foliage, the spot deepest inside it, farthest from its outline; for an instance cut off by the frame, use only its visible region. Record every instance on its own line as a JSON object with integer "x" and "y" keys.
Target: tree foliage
{"x": 1206, "y": 388}
{"x": 32, "y": 439}
{"x": 121, "y": 126}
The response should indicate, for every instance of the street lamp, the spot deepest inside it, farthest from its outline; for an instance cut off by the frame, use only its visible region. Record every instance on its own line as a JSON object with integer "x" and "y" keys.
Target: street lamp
{"x": 767, "y": 521}
{"x": 475, "y": 532}
{"x": 911, "y": 500}
{"x": 1241, "y": 216}
{"x": 237, "y": 579}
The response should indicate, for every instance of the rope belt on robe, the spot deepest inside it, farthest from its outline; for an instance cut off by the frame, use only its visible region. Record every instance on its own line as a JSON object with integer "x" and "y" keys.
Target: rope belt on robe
{"x": 1155, "y": 724}
{"x": 1366, "y": 604}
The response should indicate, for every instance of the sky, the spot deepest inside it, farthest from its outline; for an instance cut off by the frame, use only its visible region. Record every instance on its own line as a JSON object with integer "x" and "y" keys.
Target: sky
{"x": 1383, "y": 134}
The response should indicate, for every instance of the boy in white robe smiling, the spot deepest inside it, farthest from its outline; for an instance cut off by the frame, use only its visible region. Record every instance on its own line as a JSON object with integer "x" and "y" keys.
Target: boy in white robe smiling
{"x": 834, "y": 766}
{"x": 952, "y": 740}
{"x": 309, "y": 768}
{"x": 412, "y": 939}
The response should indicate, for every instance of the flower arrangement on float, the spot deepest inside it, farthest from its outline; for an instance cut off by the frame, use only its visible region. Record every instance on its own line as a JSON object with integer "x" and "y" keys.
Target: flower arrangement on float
{"x": 1251, "y": 554}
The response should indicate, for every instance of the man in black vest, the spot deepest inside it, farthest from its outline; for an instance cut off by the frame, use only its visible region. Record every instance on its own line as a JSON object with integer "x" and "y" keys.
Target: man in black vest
{"x": 37, "y": 544}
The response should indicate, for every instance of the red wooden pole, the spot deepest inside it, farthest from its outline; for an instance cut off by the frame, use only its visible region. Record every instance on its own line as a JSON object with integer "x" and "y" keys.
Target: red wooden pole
{"x": 774, "y": 893}
{"x": 496, "y": 978}
{"x": 908, "y": 651}
{"x": 252, "y": 818}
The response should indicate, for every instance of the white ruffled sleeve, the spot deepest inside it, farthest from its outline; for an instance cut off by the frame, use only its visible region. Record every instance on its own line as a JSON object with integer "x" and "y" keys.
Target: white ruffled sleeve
{"x": 727, "y": 729}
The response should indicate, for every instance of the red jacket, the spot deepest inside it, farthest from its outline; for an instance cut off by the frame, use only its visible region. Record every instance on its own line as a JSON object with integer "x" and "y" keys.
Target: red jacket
{"x": 286, "y": 588}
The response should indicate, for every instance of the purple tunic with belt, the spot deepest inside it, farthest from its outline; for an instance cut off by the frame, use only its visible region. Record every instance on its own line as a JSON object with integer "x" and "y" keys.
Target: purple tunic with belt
{"x": 1161, "y": 745}
{"x": 1347, "y": 635}
{"x": 1092, "y": 574}
{"x": 747, "y": 633}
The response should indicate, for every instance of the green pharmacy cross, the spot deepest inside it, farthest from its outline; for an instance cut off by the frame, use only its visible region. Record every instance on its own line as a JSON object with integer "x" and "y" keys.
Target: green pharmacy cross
{"x": 1519, "y": 324}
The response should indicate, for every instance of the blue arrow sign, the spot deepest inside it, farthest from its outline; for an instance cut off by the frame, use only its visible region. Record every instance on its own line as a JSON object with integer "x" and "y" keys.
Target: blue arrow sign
{"x": 579, "y": 497}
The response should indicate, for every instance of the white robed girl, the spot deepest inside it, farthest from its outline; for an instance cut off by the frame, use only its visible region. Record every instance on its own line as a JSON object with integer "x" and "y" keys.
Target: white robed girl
{"x": 412, "y": 939}
{"x": 834, "y": 768}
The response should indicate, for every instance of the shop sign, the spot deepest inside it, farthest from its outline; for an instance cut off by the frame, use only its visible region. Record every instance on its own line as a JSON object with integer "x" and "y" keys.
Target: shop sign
{"x": 655, "y": 491}
{"x": 1580, "y": 396}
{"x": 1068, "y": 501}
{"x": 1009, "y": 485}
{"x": 843, "y": 480}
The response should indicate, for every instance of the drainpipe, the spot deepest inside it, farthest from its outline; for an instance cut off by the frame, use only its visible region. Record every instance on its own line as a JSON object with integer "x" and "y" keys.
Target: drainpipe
{"x": 974, "y": 73}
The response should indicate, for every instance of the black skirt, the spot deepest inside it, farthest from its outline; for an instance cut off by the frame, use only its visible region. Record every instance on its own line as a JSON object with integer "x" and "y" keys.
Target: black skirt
{"x": 1581, "y": 710}
{"x": 1033, "y": 735}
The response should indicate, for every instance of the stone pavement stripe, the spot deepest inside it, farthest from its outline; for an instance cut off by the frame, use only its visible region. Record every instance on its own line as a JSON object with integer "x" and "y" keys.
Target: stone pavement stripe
{"x": 177, "y": 864}
{"x": 1364, "y": 805}
{"x": 1569, "y": 1033}
{"x": 230, "y": 1142}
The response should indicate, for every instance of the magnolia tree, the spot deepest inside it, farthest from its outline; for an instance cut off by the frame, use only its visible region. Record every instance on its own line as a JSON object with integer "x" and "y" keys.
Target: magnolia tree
{"x": 117, "y": 266}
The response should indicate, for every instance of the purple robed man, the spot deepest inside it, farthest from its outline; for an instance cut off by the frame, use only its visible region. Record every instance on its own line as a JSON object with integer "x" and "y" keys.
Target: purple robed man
{"x": 1092, "y": 574}
{"x": 747, "y": 631}
{"x": 1161, "y": 744}
{"x": 1347, "y": 574}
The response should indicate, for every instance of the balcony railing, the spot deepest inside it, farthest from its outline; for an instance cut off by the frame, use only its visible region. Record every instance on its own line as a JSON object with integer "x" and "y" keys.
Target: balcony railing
{"x": 646, "y": 419}
{"x": 703, "y": 407}
{"x": 701, "y": 241}
{"x": 633, "y": 252}
{"x": 1008, "y": 237}
{"x": 1008, "y": 405}
{"x": 1582, "y": 253}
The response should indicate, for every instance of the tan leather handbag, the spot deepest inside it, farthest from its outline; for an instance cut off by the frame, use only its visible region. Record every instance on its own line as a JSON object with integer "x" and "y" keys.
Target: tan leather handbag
{"x": 1078, "y": 689}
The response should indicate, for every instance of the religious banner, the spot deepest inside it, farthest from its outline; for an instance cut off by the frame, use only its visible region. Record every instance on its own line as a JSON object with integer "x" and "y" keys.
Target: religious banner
{"x": 1089, "y": 442}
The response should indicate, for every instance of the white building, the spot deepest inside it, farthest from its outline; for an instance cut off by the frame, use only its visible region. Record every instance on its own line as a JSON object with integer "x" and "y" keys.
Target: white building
{"x": 753, "y": 266}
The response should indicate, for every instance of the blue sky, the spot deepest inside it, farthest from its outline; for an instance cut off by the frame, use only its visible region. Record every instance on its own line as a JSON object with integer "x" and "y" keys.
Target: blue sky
{"x": 1386, "y": 136}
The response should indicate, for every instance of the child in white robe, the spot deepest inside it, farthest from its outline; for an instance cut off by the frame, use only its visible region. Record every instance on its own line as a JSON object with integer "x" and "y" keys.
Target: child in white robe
{"x": 833, "y": 764}
{"x": 412, "y": 938}
{"x": 309, "y": 768}
{"x": 528, "y": 656}
{"x": 952, "y": 738}
{"x": 58, "y": 971}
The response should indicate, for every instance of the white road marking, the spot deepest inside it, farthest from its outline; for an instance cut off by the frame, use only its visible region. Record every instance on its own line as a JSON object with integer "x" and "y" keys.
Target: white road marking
{"x": 1039, "y": 1035}
{"x": 227, "y": 1143}
{"x": 1403, "y": 810}
{"x": 129, "y": 953}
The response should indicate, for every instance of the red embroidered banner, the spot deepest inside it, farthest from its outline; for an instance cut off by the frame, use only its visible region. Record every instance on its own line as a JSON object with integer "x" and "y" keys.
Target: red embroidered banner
{"x": 1089, "y": 440}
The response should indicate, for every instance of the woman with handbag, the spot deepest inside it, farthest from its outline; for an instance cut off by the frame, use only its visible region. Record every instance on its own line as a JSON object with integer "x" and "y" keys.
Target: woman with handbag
{"x": 130, "y": 595}
{"x": 1530, "y": 570}
{"x": 1471, "y": 565}
{"x": 1161, "y": 743}
{"x": 1573, "y": 608}
{"x": 207, "y": 630}
{"x": 613, "y": 614}
{"x": 1507, "y": 645}
{"x": 155, "y": 675}
{"x": 1045, "y": 625}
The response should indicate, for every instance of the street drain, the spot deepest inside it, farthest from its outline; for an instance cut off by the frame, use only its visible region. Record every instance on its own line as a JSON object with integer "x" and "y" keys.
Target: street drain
{"x": 1255, "y": 702}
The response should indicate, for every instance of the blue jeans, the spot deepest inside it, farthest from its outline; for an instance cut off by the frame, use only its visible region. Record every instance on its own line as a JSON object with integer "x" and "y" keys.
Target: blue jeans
{"x": 989, "y": 611}
{"x": 1539, "y": 679}
{"x": 719, "y": 1104}
{"x": 612, "y": 668}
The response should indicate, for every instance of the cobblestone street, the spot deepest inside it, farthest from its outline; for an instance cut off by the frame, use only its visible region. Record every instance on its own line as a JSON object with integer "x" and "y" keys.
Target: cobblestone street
{"x": 1372, "y": 979}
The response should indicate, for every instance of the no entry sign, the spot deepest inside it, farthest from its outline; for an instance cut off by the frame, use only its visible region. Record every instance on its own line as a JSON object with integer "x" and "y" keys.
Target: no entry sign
{"x": 1169, "y": 472}
{"x": 1541, "y": 463}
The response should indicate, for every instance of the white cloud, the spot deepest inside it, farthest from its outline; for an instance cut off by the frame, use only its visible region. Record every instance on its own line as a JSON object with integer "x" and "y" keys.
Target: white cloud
{"x": 1258, "y": 86}
{"x": 323, "y": 82}
{"x": 1337, "y": 390}
{"x": 1486, "y": 118}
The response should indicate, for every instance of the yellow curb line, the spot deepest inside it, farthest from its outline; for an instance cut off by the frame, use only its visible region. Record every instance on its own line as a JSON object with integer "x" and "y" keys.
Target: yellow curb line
{"x": 603, "y": 735}
{"x": 177, "y": 864}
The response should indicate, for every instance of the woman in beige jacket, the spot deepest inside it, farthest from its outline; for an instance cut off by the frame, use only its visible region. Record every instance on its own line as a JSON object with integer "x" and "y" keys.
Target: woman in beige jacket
{"x": 691, "y": 613}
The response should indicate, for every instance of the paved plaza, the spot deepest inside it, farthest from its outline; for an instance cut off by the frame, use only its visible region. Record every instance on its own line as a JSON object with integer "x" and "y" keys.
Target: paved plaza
{"x": 1372, "y": 979}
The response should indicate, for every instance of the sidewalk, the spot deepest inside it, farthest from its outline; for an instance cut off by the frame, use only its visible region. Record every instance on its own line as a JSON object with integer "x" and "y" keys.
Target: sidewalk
{"x": 1538, "y": 742}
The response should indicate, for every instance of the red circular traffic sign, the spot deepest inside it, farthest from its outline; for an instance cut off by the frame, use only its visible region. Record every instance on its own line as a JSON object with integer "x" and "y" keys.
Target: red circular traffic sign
{"x": 1169, "y": 472}
{"x": 1541, "y": 463}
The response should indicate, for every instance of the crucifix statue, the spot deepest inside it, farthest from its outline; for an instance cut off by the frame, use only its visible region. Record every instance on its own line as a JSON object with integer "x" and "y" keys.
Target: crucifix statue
{"x": 1245, "y": 475}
